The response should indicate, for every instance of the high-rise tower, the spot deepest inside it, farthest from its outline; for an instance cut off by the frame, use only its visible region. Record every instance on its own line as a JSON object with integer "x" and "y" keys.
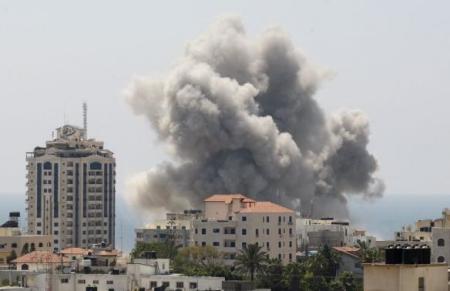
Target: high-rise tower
{"x": 71, "y": 189}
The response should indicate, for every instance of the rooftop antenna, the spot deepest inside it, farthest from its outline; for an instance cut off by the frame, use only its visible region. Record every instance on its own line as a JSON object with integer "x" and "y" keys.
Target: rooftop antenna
{"x": 85, "y": 119}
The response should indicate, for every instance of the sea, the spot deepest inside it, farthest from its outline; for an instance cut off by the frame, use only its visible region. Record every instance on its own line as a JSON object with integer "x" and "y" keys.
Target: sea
{"x": 380, "y": 217}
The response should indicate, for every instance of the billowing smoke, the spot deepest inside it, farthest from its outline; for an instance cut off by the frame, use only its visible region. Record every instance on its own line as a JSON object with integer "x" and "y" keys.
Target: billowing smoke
{"x": 238, "y": 116}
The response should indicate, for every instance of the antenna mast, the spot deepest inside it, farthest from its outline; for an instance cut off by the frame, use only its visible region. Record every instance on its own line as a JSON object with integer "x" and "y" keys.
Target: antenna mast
{"x": 85, "y": 119}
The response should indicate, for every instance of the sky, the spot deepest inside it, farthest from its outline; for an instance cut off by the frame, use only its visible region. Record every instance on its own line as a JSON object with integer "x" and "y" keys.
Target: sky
{"x": 389, "y": 59}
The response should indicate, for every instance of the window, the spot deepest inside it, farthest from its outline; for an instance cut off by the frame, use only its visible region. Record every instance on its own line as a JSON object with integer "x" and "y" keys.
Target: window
{"x": 64, "y": 280}
{"x": 95, "y": 282}
{"x": 244, "y": 218}
{"x": 216, "y": 230}
{"x": 267, "y": 231}
{"x": 257, "y": 232}
{"x": 193, "y": 285}
{"x": 267, "y": 219}
{"x": 81, "y": 281}
{"x": 216, "y": 244}
{"x": 279, "y": 231}
{"x": 14, "y": 245}
{"x": 196, "y": 231}
{"x": 244, "y": 231}
{"x": 203, "y": 243}
{"x": 203, "y": 230}
{"x": 180, "y": 285}
{"x": 109, "y": 282}
{"x": 267, "y": 245}
{"x": 279, "y": 244}
{"x": 40, "y": 245}
{"x": 421, "y": 284}
{"x": 153, "y": 284}
{"x": 441, "y": 242}
{"x": 290, "y": 231}
{"x": 166, "y": 284}
{"x": 290, "y": 257}
{"x": 244, "y": 245}
{"x": 290, "y": 244}
{"x": 441, "y": 259}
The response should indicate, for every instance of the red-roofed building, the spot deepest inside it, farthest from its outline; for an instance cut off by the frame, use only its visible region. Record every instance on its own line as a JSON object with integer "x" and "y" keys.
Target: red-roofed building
{"x": 40, "y": 261}
{"x": 233, "y": 221}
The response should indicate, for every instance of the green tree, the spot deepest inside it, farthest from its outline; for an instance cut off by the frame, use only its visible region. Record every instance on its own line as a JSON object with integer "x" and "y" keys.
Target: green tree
{"x": 324, "y": 263}
{"x": 162, "y": 250}
{"x": 271, "y": 275}
{"x": 368, "y": 254}
{"x": 25, "y": 249}
{"x": 293, "y": 274}
{"x": 251, "y": 259}
{"x": 198, "y": 261}
{"x": 11, "y": 257}
{"x": 311, "y": 282}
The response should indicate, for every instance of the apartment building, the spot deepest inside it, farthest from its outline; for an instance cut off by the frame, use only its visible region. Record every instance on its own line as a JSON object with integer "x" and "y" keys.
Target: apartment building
{"x": 233, "y": 221}
{"x": 12, "y": 240}
{"x": 71, "y": 190}
{"x": 315, "y": 233}
{"x": 406, "y": 268}
{"x": 176, "y": 227}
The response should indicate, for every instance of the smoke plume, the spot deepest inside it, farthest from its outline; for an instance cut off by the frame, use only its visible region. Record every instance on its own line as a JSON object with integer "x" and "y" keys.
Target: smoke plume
{"x": 238, "y": 116}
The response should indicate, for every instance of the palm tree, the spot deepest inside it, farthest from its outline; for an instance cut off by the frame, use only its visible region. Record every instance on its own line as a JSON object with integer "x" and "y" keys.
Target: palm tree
{"x": 252, "y": 259}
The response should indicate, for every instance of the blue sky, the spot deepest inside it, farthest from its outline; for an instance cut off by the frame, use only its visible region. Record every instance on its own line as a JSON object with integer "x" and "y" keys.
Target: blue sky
{"x": 389, "y": 58}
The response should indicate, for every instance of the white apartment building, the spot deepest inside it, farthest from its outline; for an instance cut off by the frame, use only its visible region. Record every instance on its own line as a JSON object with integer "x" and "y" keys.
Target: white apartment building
{"x": 234, "y": 221}
{"x": 315, "y": 233}
{"x": 71, "y": 190}
{"x": 176, "y": 227}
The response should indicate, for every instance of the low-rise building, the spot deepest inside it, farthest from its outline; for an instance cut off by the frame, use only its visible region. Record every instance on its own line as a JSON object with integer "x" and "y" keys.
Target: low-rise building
{"x": 440, "y": 245}
{"x": 405, "y": 277}
{"x": 41, "y": 261}
{"x": 77, "y": 282}
{"x": 13, "y": 241}
{"x": 406, "y": 268}
{"x": 233, "y": 221}
{"x": 176, "y": 227}
{"x": 315, "y": 233}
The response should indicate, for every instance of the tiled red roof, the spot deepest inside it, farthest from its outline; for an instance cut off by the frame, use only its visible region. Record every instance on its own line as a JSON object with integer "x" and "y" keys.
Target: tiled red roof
{"x": 265, "y": 206}
{"x": 43, "y": 257}
{"x": 227, "y": 198}
{"x": 352, "y": 251}
{"x": 76, "y": 252}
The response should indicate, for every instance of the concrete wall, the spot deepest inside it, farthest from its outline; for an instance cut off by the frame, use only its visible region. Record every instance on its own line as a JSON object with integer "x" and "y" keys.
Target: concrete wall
{"x": 201, "y": 283}
{"x": 381, "y": 277}
{"x": 217, "y": 210}
{"x": 440, "y": 253}
{"x": 277, "y": 238}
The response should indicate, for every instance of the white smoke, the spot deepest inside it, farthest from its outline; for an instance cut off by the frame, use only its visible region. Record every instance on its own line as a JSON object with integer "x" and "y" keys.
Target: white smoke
{"x": 238, "y": 115}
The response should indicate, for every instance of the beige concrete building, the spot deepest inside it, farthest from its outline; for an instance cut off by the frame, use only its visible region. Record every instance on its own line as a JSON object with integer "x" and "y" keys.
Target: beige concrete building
{"x": 234, "y": 221}
{"x": 176, "y": 227}
{"x": 13, "y": 241}
{"x": 71, "y": 190}
{"x": 402, "y": 277}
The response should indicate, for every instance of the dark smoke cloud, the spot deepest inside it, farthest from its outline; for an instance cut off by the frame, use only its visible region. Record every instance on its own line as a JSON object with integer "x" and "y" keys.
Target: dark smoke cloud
{"x": 238, "y": 115}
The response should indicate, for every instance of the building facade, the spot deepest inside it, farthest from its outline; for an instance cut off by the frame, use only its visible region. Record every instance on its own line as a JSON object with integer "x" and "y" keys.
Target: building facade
{"x": 401, "y": 277}
{"x": 231, "y": 222}
{"x": 440, "y": 245}
{"x": 176, "y": 227}
{"x": 71, "y": 190}
{"x": 13, "y": 241}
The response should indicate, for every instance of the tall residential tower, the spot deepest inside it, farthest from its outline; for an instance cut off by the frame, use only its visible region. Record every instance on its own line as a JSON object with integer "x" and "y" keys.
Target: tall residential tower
{"x": 71, "y": 190}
